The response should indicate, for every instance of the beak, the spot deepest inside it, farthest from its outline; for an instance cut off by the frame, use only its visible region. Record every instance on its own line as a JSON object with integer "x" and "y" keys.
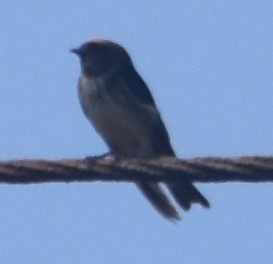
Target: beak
{"x": 76, "y": 51}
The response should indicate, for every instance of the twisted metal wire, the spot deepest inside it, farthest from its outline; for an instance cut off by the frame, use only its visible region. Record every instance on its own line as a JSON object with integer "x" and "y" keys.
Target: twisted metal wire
{"x": 165, "y": 169}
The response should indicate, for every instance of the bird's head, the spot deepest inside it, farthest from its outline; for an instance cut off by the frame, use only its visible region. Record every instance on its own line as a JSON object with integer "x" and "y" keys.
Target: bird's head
{"x": 99, "y": 56}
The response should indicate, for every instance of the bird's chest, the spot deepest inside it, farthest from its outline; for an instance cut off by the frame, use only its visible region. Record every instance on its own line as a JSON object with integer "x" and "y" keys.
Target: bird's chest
{"x": 99, "y": 106}
{"x": 118, "y": 123}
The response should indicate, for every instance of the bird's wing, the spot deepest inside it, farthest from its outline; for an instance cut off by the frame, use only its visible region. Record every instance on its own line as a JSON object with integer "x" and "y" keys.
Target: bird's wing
{"x": 141, "y": 97}
{"x": 138, "y": 87}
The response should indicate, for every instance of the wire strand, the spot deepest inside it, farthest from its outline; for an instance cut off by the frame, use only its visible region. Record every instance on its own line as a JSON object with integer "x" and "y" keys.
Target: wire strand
{"x": 165, "y": 169}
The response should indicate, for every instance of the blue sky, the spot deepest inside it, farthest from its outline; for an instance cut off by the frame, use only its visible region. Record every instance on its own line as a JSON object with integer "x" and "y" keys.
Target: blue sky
{"x": 209, "y": 66}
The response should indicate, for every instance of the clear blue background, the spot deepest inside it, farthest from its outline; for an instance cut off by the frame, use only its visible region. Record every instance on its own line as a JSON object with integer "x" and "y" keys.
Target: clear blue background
{"x": 209, "y": 65}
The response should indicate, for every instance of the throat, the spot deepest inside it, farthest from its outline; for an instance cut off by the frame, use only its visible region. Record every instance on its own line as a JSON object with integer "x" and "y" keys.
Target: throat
{"x": 103, "y": 74}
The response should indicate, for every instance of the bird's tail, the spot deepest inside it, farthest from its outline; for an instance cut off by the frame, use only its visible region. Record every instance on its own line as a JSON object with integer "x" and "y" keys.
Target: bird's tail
{"x": 185, "y": 194}
{"x": 154, "y": 193}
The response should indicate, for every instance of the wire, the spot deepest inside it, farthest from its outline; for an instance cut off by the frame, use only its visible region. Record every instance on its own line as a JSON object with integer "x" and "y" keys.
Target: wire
{"x": 165, "y": 169}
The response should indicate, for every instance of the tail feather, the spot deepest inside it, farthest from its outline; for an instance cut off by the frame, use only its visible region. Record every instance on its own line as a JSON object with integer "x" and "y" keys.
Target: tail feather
{"x": 159, "y": 200}
{"x": 186, "y": 194}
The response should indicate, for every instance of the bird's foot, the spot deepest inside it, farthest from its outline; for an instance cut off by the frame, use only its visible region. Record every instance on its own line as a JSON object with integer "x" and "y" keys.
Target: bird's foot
{"x": 108, "y": 156}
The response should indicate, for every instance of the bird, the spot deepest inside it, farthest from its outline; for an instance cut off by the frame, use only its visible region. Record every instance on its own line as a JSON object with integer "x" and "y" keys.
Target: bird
{"x": 118, "y": 103}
